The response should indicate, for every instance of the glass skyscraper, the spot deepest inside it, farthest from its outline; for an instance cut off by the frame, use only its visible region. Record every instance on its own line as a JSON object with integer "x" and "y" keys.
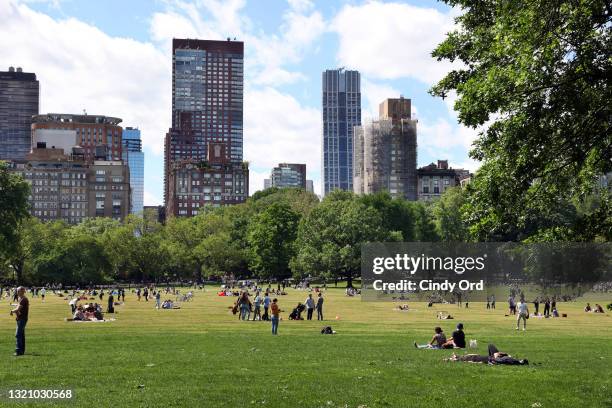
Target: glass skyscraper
{"x": 133, "y": 156}
{"x": 341, "y": 112}
{"x": 19, "y": 98}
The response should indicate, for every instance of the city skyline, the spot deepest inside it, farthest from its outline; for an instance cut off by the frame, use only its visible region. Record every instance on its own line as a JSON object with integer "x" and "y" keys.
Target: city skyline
{"x": 283, "y": 64}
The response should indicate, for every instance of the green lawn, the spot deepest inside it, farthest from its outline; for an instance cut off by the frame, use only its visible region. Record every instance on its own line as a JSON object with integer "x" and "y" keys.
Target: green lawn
{"x": 203, "y": 356}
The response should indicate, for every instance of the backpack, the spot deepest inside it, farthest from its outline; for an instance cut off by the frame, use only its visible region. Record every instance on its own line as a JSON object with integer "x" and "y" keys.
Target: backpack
{"x": 327, "y": 330}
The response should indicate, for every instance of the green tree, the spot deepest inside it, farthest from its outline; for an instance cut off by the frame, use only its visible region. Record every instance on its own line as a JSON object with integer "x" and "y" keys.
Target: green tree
{"x": 448, "y": 215}
{"x": 271, "y": 237}
{"x": 424, "y": 226}
{"x": 330, "y": 238}
{"x": 539, "y": 74}
{"x": 397, "y": 214}
{"x": 14, "y": 206}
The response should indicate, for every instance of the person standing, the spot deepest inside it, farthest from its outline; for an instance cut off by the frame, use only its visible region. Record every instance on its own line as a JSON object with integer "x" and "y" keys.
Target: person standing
{"x": 257, "y": 311}
{"x": 320, "y": 307}
{"x": 310, "y": 305}
{"x": 111, "y": 303}
{"x": 266, "y": 305}
{"x": 275, "y": 311}
{"x": 146, "y": 294}
{"x": 536, "y": 305}
{"x": 488, "y": 303}
{"x": 493, "y": 301}
{"x": 21, "y": 312}
{"x": 138, "y": 294}
{"x": 546, "y": 307}
{"x": 158, "y": 300}
{"x": 523, "y": 313}
{"x": 43, "y": 292}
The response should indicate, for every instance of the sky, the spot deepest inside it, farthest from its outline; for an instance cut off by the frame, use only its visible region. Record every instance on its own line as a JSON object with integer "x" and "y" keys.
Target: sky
{"x": 114, "y": 58}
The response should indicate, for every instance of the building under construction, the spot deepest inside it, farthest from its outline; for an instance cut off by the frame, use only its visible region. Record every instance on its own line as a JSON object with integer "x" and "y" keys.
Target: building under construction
{"x": 385, "y": 152}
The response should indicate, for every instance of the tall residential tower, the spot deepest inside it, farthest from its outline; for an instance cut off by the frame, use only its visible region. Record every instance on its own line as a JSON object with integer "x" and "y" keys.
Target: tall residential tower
{"x": 205, "y": 141}
{"x": 19, "y": 99}
{"x": 341, "y": 112}
{"x": 386, "y": 152}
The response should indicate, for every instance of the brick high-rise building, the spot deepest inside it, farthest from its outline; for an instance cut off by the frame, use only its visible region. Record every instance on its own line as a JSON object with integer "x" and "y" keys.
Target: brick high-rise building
{"x": 19, "y": 99}
{"x": 99, "y": 136}
{"x": 207, "y": 108}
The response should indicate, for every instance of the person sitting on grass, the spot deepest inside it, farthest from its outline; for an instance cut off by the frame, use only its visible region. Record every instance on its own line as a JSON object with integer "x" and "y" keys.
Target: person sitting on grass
{"x": 587, "y": 308}
{"x": 598, "y": 308}
{"x": 457, "y": 340}
{"x": 437, "y": 341}
{"x": 79, "y": 315}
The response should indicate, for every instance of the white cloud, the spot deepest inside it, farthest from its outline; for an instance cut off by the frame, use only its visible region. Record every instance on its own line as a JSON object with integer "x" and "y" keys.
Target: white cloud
{"x": 152, "y": 199}
{"x": 373, "y": 94}
{"x": 80, "y": 67}
{"x": 279, "y": 129}
{"x": 392, "y": 40}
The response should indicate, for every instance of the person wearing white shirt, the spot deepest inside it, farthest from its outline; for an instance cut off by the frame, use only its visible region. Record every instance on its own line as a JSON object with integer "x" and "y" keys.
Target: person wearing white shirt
{"x": 310, "y": 305}
{"x": 523, "y": 313}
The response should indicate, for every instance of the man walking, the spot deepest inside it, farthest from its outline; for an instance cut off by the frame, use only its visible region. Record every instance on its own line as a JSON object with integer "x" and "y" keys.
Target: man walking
{"x": 310, "y": 305}
{"x": 21, "y": 313}
{"x": 320, "y": 307}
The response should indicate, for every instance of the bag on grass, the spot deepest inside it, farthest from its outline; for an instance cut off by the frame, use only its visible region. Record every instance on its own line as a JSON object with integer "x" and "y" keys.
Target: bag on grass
{"x": 327, "y": 330}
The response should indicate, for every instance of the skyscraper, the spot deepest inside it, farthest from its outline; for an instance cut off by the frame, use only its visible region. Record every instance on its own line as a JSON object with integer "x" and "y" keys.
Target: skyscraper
{"x": 19, "y": 99}
{"x": 386, "y": 152}
{"x": 133, "y": 156}
{"x": 341, "y": 112}
{"x": 207, "y": 109}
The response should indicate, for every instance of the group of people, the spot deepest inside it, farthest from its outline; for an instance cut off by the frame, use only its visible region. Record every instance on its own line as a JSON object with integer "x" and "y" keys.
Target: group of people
{"x": 89, "y": 312}
{"x": 439, "y": 340}
{"x": 595, "y": 309}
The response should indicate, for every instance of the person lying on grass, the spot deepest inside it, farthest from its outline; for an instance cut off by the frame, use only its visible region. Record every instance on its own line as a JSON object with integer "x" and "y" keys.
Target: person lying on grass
{"x": 495, "y": 357}
{"x": 169, "y": 304}
{"x": 437, "y": 341}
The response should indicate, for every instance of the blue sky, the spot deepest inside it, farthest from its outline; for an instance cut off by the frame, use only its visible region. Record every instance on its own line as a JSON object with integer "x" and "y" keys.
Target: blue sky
{"x": 113, "y": 58}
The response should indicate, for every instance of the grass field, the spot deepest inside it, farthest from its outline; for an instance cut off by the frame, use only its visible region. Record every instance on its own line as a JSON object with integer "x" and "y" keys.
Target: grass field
{"x": 202, "y": 356}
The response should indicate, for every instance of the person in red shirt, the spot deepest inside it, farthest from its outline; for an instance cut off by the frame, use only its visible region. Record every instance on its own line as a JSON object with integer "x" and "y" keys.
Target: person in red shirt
{"x": 275, "y": 311}
{"x": 21, "y": 312}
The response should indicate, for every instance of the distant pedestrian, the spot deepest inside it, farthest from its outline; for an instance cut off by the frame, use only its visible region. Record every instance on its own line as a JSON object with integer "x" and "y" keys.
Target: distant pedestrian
{"x": 266, "y": 305}
{"x": 536, "y": 305}
{"x": 492, "y": 301}
{"x": 320, "y": 307}
{"x": 43, "y": 292}
{"x": 275, "y": 311}
{"x": 158, "y": 300}
{"x": 488, "y": 303}
{"x": 546, "y": 307}
{"x": 257, "y": 307}
{"x": 523, "y": 314}
{"x": 138, "y": 294}
{"x": 111, "y": 303}
{"x": 21, "y": 312}
{"x": 310, "y": 305}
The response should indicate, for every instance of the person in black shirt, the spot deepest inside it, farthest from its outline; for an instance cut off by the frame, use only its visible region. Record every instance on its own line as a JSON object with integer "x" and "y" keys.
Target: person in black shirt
{"x": 21, "y": 312}
{"x": 458, "y": 338}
